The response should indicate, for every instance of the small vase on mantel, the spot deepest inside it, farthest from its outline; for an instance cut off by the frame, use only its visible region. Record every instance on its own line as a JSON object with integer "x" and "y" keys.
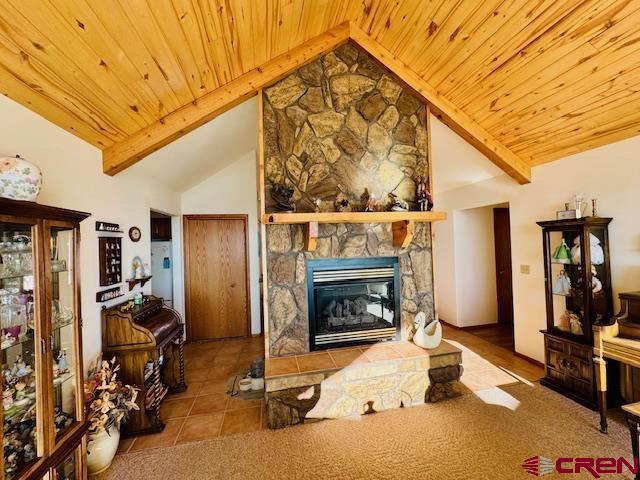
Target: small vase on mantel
{"x": 102, "y": 447}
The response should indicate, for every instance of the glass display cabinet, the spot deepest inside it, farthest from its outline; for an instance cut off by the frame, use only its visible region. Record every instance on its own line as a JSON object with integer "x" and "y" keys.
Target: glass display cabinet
{"x": 578, "y": 295}
{"x": 42, "y": 373}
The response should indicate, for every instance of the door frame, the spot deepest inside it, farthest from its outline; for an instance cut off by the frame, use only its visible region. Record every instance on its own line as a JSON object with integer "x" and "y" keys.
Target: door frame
{"x": 185, "y": 244}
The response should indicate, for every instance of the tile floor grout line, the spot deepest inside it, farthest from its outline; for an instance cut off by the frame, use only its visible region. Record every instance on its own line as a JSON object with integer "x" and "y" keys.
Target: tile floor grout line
{"x": 175, "y": 440}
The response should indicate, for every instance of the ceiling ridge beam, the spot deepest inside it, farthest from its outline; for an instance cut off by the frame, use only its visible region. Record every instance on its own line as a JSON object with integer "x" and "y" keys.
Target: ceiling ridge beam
{"x": 174, "y": 125}
{"x": 445, "y": 110}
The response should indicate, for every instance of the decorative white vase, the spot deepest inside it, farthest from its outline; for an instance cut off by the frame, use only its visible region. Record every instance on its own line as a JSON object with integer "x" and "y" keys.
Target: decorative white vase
{"x": 102, "y": 448}
{"x": 19, "y": 179}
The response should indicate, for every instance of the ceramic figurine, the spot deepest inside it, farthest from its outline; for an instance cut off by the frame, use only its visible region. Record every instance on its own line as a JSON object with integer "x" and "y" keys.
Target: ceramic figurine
{"x": 423, "y": 196}
{"x": 281, "y": 195}
{"x": 597, "y": 254}
{"x": 7, "y": 398}
{"x": 56, "y": 370}
{"x": 575, "y": 324}
{"x": 563, "y": 321}
{"x": 595, "y": 281}
{"x": 19, "y": 179}
{"x": 62, "y": 361}
{"x": 427, "y": 336}
{"x": 397, "y": 204}
{"x": 342, "y": 203}
{"x": 20, "y": 386}
{"x": 562, "y": 285}
{"x": 562, "y": 254}
{"x": 29, "y": 452}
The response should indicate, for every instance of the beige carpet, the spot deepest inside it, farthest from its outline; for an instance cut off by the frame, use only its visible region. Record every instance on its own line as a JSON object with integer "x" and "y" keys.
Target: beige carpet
{"x": 464, "y": 438}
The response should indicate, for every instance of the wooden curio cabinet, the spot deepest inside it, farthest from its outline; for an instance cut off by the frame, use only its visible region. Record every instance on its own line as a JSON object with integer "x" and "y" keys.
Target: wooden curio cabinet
{"x": 578, "y": 295}
{"x": 43, "y": 417}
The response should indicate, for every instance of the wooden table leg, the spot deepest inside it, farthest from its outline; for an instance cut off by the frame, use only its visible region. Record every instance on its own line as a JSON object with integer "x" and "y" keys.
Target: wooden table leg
{"x": 632, "y": 422}
{"x": 601, "y": 384}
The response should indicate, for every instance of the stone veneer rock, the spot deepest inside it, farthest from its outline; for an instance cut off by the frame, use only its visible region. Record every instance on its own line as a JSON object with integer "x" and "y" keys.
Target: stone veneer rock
{"x": 287, "y": 275}
{"x": 343, "y": 124}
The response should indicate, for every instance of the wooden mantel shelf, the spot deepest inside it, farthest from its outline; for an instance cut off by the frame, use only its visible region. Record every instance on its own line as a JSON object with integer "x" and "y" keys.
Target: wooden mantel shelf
{"x": 403, "y": 222}
{"x": 351, "y": 217}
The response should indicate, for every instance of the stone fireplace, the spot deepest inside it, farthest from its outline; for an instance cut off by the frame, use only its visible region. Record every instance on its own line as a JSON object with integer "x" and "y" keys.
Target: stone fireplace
{"x": 343, "y": 125}
{"x": 353, "y": 301}
{"x": 287, "y": 268}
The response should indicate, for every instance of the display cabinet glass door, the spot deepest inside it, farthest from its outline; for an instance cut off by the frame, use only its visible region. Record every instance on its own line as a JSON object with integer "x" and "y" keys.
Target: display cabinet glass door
{"x": 21, "y": 348}
{"x": 599, "y": 280}
{"x": 568, "y": 281}
{"x": 63, "y": 321}
{"x": 69, "y": 469}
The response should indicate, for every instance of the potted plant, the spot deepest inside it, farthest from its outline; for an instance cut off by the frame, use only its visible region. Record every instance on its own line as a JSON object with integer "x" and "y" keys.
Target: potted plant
{"x": 108, "y": 402}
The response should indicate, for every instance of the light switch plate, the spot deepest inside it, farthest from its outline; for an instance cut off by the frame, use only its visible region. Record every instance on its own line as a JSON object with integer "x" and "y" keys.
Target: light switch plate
{"x": 526, "y": 269}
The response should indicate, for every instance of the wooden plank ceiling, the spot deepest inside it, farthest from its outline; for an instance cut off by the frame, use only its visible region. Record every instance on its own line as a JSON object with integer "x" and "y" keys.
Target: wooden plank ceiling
{"x": 544, "y": 78}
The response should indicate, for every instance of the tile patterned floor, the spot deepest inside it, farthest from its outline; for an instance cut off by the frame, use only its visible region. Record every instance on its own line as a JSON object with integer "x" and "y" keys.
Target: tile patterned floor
{"x": 205, "y": 411}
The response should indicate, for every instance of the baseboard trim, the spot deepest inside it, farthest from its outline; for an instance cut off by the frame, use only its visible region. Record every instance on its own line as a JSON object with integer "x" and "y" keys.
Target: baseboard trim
{"x": 529, "y": 359}
{"x": 517, "y": 354}
{"x": 471, "y": 327}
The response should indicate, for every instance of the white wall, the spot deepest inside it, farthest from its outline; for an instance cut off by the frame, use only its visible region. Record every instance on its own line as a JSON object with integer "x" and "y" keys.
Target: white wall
{"x": 233, "y": 190}
{"x": 73, "y": 178}
{"x": 609, "y": 173}
{"x": 475, "y": 267}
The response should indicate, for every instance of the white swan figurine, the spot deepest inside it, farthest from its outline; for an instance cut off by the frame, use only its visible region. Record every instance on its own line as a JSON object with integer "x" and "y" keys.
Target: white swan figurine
{"x": 428, "y": 336}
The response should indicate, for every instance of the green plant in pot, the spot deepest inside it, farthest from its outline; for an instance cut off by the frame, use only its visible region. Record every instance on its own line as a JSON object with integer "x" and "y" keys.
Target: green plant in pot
{"x": 108, "y": 402}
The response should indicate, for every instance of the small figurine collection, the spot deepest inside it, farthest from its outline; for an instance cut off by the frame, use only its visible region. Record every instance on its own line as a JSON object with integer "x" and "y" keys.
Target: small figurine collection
{"x": 282, "y": 196}
{"x": 19, "y": 404}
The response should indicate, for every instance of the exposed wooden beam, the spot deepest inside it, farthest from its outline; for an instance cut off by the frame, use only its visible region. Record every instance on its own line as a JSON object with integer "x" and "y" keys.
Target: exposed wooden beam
{"x": 446, "y": 111}
{"x": 191, "y": 116}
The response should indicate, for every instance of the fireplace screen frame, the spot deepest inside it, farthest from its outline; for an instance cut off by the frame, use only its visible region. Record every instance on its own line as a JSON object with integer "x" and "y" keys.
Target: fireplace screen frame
{"x": 317, "y": 265}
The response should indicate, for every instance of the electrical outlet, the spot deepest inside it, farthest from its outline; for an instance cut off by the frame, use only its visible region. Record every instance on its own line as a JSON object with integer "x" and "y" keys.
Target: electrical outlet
{"x": 525, "y": 269}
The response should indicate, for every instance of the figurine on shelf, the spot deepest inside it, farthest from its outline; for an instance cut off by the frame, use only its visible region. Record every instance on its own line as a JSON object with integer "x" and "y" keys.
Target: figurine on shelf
{"x": 368, "y": 201}
{"x": 342, "y": 203}
{"x": 423, "y": 196}
{"x": 62, "y": 361}
{"x": 563, "y": 321}
{"x": 575, "y": 324}
{"x": 281, "y": 194}
{"x": 7, "y": 398}
{"x": 596, "y": 284}
{"x": 56, "y": 370}
{"x": 398, "y": 204}
{"x": 317, "y": 202}
{"x": 562, "y": 254}
{"x": 563, "y": 284}
{"x": 29, "y": 452}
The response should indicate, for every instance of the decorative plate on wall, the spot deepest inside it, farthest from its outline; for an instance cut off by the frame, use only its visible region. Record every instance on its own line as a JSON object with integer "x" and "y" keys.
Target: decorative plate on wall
{"x": 135, "y": 234}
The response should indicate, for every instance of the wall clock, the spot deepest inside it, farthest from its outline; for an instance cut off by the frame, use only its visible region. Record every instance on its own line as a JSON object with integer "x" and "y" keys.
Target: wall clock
{"x": 135, "y": 234}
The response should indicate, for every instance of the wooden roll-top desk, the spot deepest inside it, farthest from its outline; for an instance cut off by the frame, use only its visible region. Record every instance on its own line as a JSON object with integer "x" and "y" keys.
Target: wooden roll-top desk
{"x": 147, "y": 341}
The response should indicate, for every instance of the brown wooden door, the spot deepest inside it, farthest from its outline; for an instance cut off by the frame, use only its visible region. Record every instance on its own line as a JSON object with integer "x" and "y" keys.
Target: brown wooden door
{"x": 504, "y": 285}
{"x": 216, "y": 276}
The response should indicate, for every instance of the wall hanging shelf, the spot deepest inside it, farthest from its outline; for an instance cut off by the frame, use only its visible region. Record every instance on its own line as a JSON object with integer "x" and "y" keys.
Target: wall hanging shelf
{"x": 132, "y": 282}
{"x": 403, "y": 222}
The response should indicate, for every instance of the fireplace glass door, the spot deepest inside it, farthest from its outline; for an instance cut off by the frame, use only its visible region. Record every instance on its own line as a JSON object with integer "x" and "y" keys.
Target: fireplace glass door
{"x": 353, "y": 305}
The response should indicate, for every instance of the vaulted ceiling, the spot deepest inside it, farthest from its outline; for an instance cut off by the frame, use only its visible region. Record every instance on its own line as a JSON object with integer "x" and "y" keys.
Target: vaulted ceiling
{"x": 544, "y": 79}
